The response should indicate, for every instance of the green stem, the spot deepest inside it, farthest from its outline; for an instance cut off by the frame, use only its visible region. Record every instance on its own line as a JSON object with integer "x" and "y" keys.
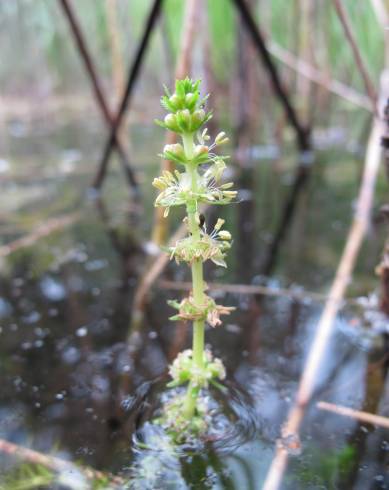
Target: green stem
{"x": 197, "y": 277}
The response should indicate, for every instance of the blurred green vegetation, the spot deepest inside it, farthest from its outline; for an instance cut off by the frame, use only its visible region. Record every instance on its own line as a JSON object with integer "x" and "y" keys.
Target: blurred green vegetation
{"x": 326, "y": 469}
{"x": 36, "y": 42}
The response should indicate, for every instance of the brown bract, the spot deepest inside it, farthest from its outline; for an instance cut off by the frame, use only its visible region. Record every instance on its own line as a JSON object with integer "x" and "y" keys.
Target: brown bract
{"x": 209, "y": 311}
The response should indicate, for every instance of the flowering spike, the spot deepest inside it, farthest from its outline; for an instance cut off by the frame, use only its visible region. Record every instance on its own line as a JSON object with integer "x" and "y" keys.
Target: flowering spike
{"x": 195, "y": 185}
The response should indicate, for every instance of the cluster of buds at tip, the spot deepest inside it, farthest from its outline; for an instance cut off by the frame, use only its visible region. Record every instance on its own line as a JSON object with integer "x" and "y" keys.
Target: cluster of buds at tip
{"x": 186, "y": 108}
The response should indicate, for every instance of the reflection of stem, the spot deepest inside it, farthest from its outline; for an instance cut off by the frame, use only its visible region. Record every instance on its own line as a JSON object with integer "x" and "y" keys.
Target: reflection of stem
{"x": 190, "y": 400}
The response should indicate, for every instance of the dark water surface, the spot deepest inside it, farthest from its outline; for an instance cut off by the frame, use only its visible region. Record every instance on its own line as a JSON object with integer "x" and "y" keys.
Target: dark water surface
{"x": 81, "y": 378}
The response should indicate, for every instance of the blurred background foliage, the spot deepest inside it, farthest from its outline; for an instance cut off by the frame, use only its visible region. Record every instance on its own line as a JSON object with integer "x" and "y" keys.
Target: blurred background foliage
{"x": 40, "y": 60}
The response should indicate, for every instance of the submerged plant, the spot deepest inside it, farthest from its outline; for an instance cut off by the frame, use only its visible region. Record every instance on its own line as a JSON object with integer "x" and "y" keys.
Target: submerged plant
{"x": 198, "y": 182}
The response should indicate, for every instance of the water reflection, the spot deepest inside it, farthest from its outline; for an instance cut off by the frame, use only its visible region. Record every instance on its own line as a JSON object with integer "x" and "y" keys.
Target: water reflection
{"x": 69, "y": 357}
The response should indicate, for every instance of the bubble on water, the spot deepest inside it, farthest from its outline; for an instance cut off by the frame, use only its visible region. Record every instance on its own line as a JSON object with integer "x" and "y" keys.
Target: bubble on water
{"x": 71, "y": 355}
{"x": 32, "y": 317}
{"x": 100, "y": 387}
{"x": 52, "y": 289}
{"x": 233, "y": 328}
{"x": 82, "y": 332}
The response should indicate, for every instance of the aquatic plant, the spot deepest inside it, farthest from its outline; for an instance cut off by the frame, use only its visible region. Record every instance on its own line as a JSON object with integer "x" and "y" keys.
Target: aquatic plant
{"x": 200, "y": 183}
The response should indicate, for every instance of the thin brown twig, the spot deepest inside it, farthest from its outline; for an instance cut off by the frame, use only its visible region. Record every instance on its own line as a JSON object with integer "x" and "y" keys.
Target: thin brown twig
{"x": 53, "y": 463}
{"x": 318, "y": 77}
{"x": 367, "y": 417}
{"x": 325, "y": 327}
{"x": 346, "y": 24}
{"x": 250, "y": 289}
{"x": 41, "y": 231}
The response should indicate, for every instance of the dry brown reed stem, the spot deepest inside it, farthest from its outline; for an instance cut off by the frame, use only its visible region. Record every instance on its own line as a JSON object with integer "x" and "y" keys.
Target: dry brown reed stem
{"x": 324, "y": 329}
{"x": 118, "y": 70}
{"x": 318, "y": 77}
{"x": 55, "y": 464}
{"x": 46, "y": 229}
{"x": 346, "y": 24}
{"x": 306, "y": 50}
{"x": 369, "y": 418}
{"x": 183, "y": 69}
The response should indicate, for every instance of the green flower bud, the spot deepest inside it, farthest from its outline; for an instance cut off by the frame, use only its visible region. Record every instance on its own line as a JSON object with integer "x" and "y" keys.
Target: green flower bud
{"x": 201, "y": 150}
{"x": 171, "y": 122}
{"x": 184, "y": 120}
{"x": 175, "y": 152}
{"x": 190, "y": 100}
{"x": 200, "y": 154}
{"x": 198, "y": 118}
{"x": 174, "y": 102}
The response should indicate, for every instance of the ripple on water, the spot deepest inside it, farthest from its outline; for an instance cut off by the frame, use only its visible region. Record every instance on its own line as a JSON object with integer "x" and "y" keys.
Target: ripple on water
{"x": 159, "y": 458}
